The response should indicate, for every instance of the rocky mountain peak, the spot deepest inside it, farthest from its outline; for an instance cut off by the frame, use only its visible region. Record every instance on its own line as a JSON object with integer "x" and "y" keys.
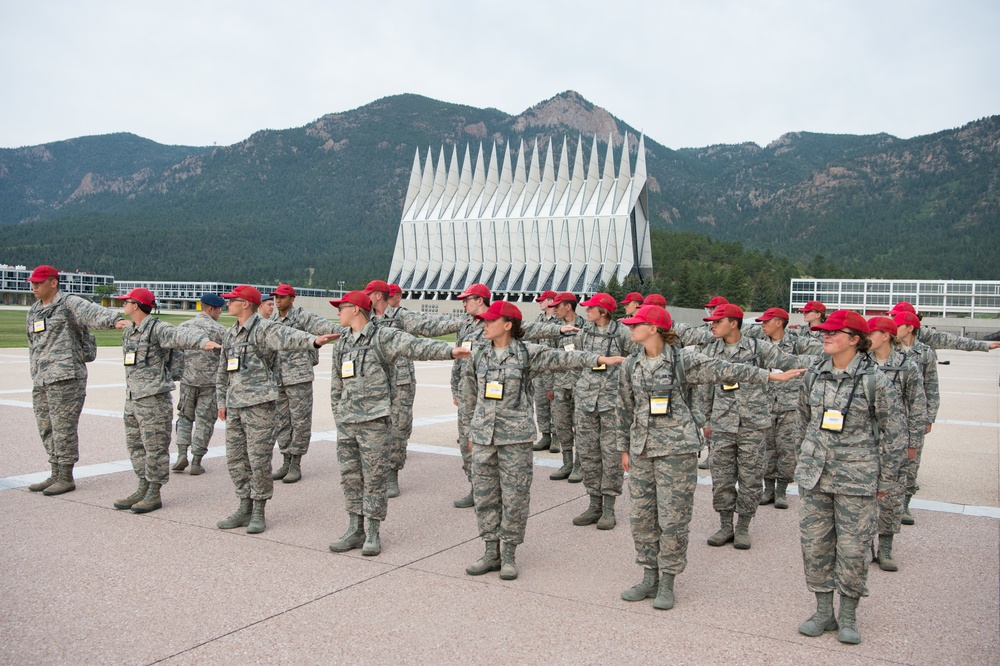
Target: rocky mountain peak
{"x": 569, "y": 109}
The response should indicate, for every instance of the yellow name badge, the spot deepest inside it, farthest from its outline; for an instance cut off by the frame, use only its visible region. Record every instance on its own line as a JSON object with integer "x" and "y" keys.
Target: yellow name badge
{"x": 494, "y": 391}
{"x": 599, "y": 368}
{"x": 730, "y": 387}
{"x": 38, "y": 326}
{"x": 833, "y": 420}
{"x": 659, "y": 405}
{"x": 467, "y": 344}
{"x": 129, "y": 358}
{"x": 570, "y": 347}
{"x": 233, "y": 364}
{"x": 347, "y": 369}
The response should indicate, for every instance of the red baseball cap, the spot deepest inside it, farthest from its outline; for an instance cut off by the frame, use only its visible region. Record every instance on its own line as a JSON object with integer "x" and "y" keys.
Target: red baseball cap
{"x": 773, "y": 313}
{"x": 651, "y": 314}
{"x": 655, "y": 299}
{"x": 358, "y": 298}
{"x": 394, "y": 289}
{"x": 725, "y": 310}
{"x": 144, "y": 296}
{"x": 500, "y": 309}
{"x": 43, "y": 273}
{"x": 548, "y": 293}
{"x": 633, "y": 297}
{"x": 246, "y": 292}
{"x": 377, "y": 285}
{"x": 565, "y": 297}
{"x": 284, "y": 290}
{"x": 813, "y": 306}
{"x": 903, "y": 306}
{"x": 716, "y": 302}
{"x": 601, "y": 300}
{"x": 906, "y": 318}
{"x": 882, "y": 324}
{"x": 477, "y": 289}
{"x": 843, "y": 319}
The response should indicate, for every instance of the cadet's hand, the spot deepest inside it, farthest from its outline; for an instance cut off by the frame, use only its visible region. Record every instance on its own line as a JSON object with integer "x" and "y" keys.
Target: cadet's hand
{"x": 707, "y": 431}
{"x": 568, "y": 329}
{"x": 610, "y": 360}
{"x": 911, "y": 453}
{"x": 324, "y": 339}
{"x": 625, "y": 461}
{"x": 879, "y": 494}
{"x": 211, "y": 346}
{"x": 995, "y": 345}
{"x": 455, "y": 400}
{"x": 551, "y": 395}
{"x": 460, "y": 352}
{"x": 786, "y": 375}
{"x": 927, "y": 430}
{"x": 120, "y": 324}
{"x": 222, "y": 413}
{"x": 469, "y": 445}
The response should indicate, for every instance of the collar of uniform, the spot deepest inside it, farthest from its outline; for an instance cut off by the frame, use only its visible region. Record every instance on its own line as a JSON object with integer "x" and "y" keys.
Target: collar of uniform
{"x": 245, "y": 326}
{"x": 145, "y": 324}
{"x": 367, "y": 332}
{"x": 826, "y": 368}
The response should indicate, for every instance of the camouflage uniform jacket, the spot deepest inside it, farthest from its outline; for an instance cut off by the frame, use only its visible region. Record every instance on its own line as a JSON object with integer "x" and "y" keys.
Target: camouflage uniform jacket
{"x": 255, "y": 344}
{"x": 416, "y": 324}
{"x": 689, "y": 335}
{"x": 906, "y": 377}
{"x": 786, "y": 394}
{"x": 940, "y": 340}
{"x": 856, "y": 461}
{"x": 146, "y": 347}
{"x": 364, "y": 394}
{"x": 55, "y": 354}
{"x": 675, "y": 432}
{"x": 597, "y": 390}
{"x": 750, "y": 407}
{"x": 200, "y": 365}
{"x": 926, "y": 360}
{"x": 296, "y": 367}
{"x": 511, "y": 419}
{"x": 566, "y": 379}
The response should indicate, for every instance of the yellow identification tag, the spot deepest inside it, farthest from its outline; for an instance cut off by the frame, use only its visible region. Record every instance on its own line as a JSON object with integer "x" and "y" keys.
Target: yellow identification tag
{"x": 570, "y": 347}
{"x": 833, "y": 420}
{"x": 599, "y": 368}
{"x": 659, "y": 405}
{"x": 38, "y": 326}
{"x": 467, "y": 344}
{"x": 730, "y": 387}
{"x": 494, "y": 391}
{"x": 233, "y": 364}
{"x": 129, "y": 358}
{"x": 347, "y": 369}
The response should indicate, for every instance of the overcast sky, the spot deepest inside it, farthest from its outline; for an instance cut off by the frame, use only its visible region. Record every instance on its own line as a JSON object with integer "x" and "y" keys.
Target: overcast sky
{"x": 687, "y": 73}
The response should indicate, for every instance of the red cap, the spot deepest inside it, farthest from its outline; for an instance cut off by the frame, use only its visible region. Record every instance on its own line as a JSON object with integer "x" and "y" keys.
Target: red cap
{"x": 358, "y": 298}
{"x": 43, "y": 273}
{"x": 377, "y": 285}
{"x": 500, "y": 309}
{"x": 548, "y": 293}
{"x": 843, "y": 319}
{"x": 565, "y": 297}
{"x": 394, "y": 289}
{"x": 813, "y": 306}
{"x": 725, "y": 310}
{"x": 246, "y": 292}
{"x": 772, "y": 313}
{"x": 906, "y": 318}
{"x": 601, "y": 300}
{"x": 716, "y": 302}
{"x": 144, "y": 296}
{"x": 903, "y": 306}
{"x": 284, "y": 290}
{"x": 651, "y": 314}
{"x": 477, "y": 289}
{"x": 882, "y": 324}
{"x": 633, "y": 297}
{"x": 655, "y": 299}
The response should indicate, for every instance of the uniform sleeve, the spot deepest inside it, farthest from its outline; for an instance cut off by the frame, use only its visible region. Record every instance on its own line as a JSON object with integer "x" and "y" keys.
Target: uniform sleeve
{"x": 537, "y": 330}
{"x": 85, "y": 313}
{"x": 772, "y": 357}
{"x": 893, "y": 437}
{"x": 429, "y": 326}
{"x": 336, "y": 381}
{"x": 468, "y": 393}
{"x": 456, "y": 376}
{"x": 175, "y": 337}
{"x": 626, "y": 398}
{"x": 916, "y": 409}
{"x": 221, "y": 382}
{"x": 545, "y": 359}
{"x": 317, "y": 325}
{"x": 931, "y": 387}
{"x": 400, "y": 344}
{"x": 282, "y": 338}
{"x": 702, "y": 369}
{"x": 690, "y": 335}
{"x": 941, "y": 340}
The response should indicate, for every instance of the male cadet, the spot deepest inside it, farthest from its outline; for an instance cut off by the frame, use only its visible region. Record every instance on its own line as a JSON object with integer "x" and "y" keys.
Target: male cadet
{"x": 395, "y": 295}
{"x": 293, "y": 372}
{"x": 543, "y": 410}
{"x": 59, "y": 347}
{"x": 247, "y": 393}
{"x": 197, "y": 408}
{"x": 787, "y": 430}
{"x": 738, "y": 417}
{"x": 633, "y": 301}
{"x": 266, "y": 309}
{"x": 560, "y": 386}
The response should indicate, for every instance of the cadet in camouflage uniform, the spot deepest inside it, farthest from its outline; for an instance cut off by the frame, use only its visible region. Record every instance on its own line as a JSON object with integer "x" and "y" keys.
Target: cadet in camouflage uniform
{"x": 247, "y": 393}
{"x": 359, "y": 394}
{"x": 562, "y": 384}
{"x": 814, "y": 313}
{"x": 596, "y": 419}
{"x": 785, "y": 433}
{"x": 739, "y": 419}
{"x": 266, "y": 309}
{"x": 543, "y": 405}
{"x": 55, "y": 330}
{"x": 497, "y": 413}
{"x": 632, "y": 303}
{"x": 659, "y": 445}
{"x": 197, "y": 409}
{"x": 854, "y": 444}
{"x": 939, "y": 339}
{"x": 908, "y": 381}
{"x": 148, "y": 405}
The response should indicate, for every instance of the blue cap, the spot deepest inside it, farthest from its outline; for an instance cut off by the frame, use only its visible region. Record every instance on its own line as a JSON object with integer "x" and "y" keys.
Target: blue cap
{"x": 214, "y": 300}
{"x": 267, "y": 297}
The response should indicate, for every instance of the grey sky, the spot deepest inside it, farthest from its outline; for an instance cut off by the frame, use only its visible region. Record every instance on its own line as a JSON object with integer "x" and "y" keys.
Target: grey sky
{"x": 687, "y": 73}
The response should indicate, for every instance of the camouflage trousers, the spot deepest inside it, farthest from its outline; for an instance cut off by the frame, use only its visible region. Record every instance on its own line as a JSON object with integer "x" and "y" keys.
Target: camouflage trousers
{"x": 890, "y": 508}
{"x": 294, "y": 413}
{"x": 737, "y": 458}
{"x": 600, "y": 460}
{"x": 784, "y": 438}
{"x": 197, "y": 411}
{"x": 837, "y": 532}
{"x": 400, "y": 424}
{"x": 363, "y": 454}
{"x": 147, "y": 436}
{"x": 249, "y": 444}
{"x": 543, "y": 409}
{"x": 909, "y": 469}
{"x": 501, "y": 487}
{"x": 57, "y": 408}
{"x": 662, "y": 491}
{"x": 563, "y": 412}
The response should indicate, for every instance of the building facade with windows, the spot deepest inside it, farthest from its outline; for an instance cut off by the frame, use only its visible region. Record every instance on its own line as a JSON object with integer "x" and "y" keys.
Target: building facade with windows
{"x": 16, "y": 290}
{"x": 933, "y": 298}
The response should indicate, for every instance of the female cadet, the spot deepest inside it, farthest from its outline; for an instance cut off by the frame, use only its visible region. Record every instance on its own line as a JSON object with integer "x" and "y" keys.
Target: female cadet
{"x": 907, "y": 379}
{"x": 660, "y": 444}
{"x": 854, "y": 444}
{"x": 497, "y": 410}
